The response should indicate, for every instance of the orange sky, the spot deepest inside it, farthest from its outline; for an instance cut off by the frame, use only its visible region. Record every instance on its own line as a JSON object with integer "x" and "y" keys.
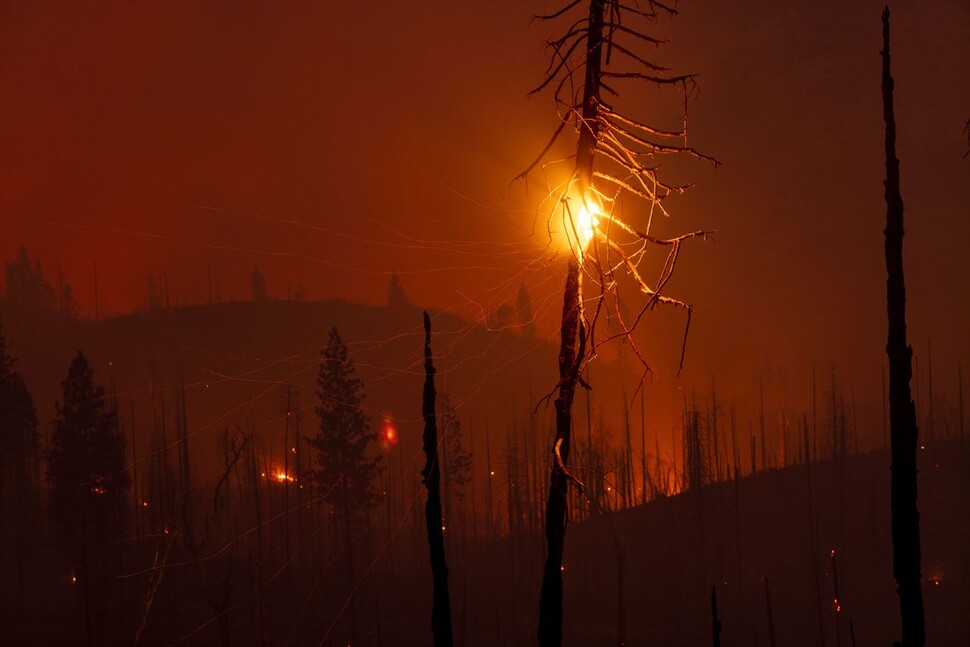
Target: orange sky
{"x": 329, "y": 142}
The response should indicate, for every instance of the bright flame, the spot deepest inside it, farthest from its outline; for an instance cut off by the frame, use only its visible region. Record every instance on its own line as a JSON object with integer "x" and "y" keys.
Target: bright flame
{"x": 283, "y": 477}
{"x": 390, "y": 434}
{"x": 584, "y": 222}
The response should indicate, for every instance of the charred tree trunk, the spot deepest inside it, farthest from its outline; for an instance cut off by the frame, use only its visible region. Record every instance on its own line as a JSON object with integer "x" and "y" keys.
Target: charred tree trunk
{"x": 715, "y": 621}
{"x": 771, "y": 615}
{"x": 550, "y": 598}
{"x": 904, "y": 434}
{"x": 441, "y": 602}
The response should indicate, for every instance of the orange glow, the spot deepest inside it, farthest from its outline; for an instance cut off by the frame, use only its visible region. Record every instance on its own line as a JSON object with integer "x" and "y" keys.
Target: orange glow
{"x": 936, "y": 579}
{"x": 586, "y": 222}
{"x": 583, "y": 217}
{"x": 97, "y": 489}
{"x": 838, "y": 607}
{"x": 390, "y": 434}
{"x": 283, "y": 477}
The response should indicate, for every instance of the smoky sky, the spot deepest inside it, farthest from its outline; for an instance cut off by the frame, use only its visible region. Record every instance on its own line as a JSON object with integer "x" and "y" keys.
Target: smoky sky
{"x": 335, "y": 143}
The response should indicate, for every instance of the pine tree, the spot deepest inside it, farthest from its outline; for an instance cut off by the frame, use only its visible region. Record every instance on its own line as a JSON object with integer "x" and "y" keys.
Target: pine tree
{"x": 25, "y": 285}
{"x": 345, "y": 471}
{"x": 344, "y": 435}
{"x": 257, "y": 285}
{"x": 86, "y": 459}
{"x": 456, "y": 463}
{"x": 18, "y": 453}
{"x": 396, "y": 298}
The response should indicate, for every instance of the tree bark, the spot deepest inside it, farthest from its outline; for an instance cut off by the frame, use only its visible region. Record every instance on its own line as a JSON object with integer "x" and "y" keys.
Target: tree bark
{"x": 550, "y": 598}
{"x": 715, "y": 620}
{"x": 440, "y": 602}
{"x": 904, "y": 434}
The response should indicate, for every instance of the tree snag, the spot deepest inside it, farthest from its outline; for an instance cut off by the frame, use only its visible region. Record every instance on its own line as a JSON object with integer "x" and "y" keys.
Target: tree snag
{"x": 431, "y": 477}
{"x": 602, "y": 244}
{"x": 904, "y": 434}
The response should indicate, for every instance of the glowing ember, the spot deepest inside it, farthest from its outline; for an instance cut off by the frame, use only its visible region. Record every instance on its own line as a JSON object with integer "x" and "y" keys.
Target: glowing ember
{"x": 838, "y": 607}
{"x": 283, "y": 477}
{"x": 936, "y": 580}
{"x": 390, "y": 434}
{"x": 585, "y": 222}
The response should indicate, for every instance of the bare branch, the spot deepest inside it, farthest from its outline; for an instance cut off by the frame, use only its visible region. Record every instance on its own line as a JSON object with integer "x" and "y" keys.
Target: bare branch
{"x": 538, "y": 159}
{"x": 562, "y": 63}
{"x": 660, "y": 148}
{"x": 556, "y": 14}
{"x": 632, "y": 32}
{"x": 639, "y": 59}
{"x": 660, "y": 80}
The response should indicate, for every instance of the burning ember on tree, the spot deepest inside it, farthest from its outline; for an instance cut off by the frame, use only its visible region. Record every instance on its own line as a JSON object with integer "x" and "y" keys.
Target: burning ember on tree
{"x": 389, "y": 434}
{"x": 283, "y": 477}
{"x": 581, "y": 222}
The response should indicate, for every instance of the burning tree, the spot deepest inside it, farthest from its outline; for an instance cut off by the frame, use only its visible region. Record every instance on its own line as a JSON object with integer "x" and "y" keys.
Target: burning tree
{"x": 608, "y": 248}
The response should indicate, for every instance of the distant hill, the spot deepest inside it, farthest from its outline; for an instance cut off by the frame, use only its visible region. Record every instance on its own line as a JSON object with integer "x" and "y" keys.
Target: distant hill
{"x": 234, "y": 357}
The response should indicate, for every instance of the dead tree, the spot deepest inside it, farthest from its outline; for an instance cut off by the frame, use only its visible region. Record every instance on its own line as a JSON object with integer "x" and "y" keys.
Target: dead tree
{"x": 440, "y": 602}
{"x": 715, "y": 621}
{"x": 603, "y": 245}
{"x": 904, "y": 434}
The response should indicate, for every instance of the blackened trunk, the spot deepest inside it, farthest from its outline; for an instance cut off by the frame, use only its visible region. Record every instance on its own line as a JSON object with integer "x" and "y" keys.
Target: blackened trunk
{"x": 904, "y": 434}
{"x": 440, "y": 602}
{"x": 715, "y": 621}
{"x": 550, "y": 597}
{"x": 771, "y": 615}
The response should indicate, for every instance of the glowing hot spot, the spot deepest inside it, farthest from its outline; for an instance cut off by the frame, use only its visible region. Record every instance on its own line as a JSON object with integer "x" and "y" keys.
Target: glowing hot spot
{"x": 586, "y": 222}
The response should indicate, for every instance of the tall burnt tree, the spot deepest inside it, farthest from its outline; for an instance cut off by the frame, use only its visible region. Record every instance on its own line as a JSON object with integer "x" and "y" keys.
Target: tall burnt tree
{"x": 903, "y": 431}
{"x": 605, "y": 246}
{"x": 431, "y": 477}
